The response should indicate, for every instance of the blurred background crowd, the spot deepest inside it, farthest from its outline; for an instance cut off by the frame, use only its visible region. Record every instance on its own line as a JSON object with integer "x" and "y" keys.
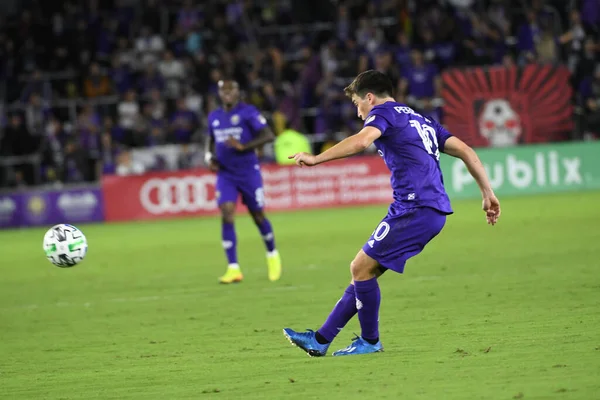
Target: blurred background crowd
{"x": 82, "y": 83}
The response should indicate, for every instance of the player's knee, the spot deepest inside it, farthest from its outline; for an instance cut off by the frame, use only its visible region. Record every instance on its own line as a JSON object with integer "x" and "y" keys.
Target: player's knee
{"x": 357, "y": 270}
{"x": 362, "y": 270}
{"x": 259, "y": 217}
{"x": 227, "y": 214}
{"x": 227, "y": 218}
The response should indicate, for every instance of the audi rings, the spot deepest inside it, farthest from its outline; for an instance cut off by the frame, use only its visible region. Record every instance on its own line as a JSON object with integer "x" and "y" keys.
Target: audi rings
{"x": 174, "y": 195}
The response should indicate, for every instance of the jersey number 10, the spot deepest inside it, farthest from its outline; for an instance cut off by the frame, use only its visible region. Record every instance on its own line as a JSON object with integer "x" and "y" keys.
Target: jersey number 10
{"x": 429, "y": 138}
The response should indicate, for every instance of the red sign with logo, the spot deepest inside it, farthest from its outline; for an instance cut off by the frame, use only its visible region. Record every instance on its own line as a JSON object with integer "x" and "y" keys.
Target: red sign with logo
{"x": 505, "y": 106}
{"x": 361, "y": 180}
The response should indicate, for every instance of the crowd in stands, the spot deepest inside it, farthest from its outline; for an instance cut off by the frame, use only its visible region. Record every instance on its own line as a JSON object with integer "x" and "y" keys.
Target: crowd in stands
{"x": 84, "y": 82}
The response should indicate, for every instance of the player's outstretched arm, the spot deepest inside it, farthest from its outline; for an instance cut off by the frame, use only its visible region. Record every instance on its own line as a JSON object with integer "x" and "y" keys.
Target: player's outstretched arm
{"x": 346, "y": 148}
{"x": 459, "y": 149}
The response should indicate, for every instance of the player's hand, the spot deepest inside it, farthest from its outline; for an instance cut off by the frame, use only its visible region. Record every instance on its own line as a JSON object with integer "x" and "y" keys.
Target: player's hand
{"x": 302, "y": 159}
{"x": 233, "y": 142}
{"x": 491, "y": 206}
{"x": 213, "y": 166}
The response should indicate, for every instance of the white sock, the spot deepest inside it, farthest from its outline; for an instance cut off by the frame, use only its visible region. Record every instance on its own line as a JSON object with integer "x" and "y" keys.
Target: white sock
{"x": 233, "y": 266}
{"x": 272, "y": 253}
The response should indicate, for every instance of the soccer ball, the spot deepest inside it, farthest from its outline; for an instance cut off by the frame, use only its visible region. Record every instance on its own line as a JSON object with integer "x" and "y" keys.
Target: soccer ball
{"x": 65, "y": 245}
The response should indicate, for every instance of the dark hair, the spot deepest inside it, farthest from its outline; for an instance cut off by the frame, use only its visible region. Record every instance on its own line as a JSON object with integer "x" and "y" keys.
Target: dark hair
{"x": 370, "y": 82}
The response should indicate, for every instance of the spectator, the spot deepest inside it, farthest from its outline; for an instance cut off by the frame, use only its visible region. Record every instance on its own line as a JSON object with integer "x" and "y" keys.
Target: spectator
{"x": 106, "y": 39}
{"x": 151, "y": 14}
{"x": 120, "y": 74}
{"x": 193, "y": 41}
{"x": 384, "y": 63}
{"x": 194, "y": 102}
{"x": 173, "y": 72}
{"x": 128, "y": 111}
{"x": 178, "y": 42}
{"x": 117, "y": 133}
{"x": 188, "y": 16}
{"x": 158, "y": 106}
{"x": 574, "y": 38}
{"x": 126, "y": 165}
{"x": 37, "y": 84}
{"x": 157, "y": 136}
{"x": 52, "y": 151}
{"x": 587, "y": 63}
{"x": 546, "y": 48}
{"x": 183, "y": 123}
{"x": 591, "y": 98}
{"x": 125, "y": 54}
{"x": 369, "y": 36}
{"x": 75, "y": 167}
{"x": 81, "y": 45}
{"x": 529, "y": 33}
{"x": 140, "y": 133}
{"x": 108, "y": 154}
{"x": 420, "y": 80}
{"x": 92, "y": 147}
{"x": 36, "y": 115}
{"x": 97, "y": 83}
{"x": 590, "y": 13}
{"x": 17, "y": 140}
{"x": 150, "y": 81}
{"x": 148, "y": 46}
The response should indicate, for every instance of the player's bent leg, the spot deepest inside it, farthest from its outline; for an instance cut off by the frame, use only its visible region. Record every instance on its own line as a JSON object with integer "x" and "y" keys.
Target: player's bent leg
{"x": 229, "y": 241}
{"x": 363, "y": 267}
{"x": 343, "y": 311}
{"x": 365, "y": 271}
{"x": 266, "y": 231}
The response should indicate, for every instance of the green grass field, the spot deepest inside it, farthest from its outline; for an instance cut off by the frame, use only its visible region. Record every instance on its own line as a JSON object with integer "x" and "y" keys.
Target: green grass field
{"x": 504, "y": 312}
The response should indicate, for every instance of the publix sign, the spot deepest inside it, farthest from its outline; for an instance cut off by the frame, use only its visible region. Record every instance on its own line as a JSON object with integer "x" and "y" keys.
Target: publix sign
{"x": 528, "y": 169}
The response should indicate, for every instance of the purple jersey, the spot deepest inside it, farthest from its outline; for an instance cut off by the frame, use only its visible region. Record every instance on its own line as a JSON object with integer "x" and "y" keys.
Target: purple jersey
{"x": 244, "y": 122}
{"x": 410, "y": 145}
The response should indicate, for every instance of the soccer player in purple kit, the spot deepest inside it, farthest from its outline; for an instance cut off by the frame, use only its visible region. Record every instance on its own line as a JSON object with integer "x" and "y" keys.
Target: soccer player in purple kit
{"x": 410, "y": 145}
{"x": 236, "y": 130}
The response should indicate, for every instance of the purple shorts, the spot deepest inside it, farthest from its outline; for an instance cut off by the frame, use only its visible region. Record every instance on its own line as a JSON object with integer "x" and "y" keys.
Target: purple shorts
{"x": 402, "y": 235}
{"x": 249, "y": 186}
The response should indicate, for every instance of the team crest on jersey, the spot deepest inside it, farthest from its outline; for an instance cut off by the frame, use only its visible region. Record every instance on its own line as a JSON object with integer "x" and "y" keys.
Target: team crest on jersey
{"x": 216, "y": 123}
{"x": 235, "y": 119}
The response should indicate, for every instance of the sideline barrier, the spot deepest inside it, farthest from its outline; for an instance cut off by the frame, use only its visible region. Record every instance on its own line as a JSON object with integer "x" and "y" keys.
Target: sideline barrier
{"x": 521, "y": 170}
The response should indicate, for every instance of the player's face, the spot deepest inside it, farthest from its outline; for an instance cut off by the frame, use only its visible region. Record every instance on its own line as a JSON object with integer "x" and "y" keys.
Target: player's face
{"x": 363, "y": 105}
{"x": 229, "y": 92}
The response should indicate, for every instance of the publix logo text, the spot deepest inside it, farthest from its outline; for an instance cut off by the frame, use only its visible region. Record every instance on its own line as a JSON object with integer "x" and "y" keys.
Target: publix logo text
{"x": 542, "y": 169}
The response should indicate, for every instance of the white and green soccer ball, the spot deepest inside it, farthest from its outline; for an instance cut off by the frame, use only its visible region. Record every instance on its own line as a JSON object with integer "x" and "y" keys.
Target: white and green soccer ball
{"x": 65, "y": 245}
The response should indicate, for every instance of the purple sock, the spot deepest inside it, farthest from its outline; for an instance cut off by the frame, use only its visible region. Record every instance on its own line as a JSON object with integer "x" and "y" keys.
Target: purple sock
{"x": 368, "y": 298}
{"x": 229, "y": 242}
{"x": 343, "y": 312}
{"x": 266, "y": 230}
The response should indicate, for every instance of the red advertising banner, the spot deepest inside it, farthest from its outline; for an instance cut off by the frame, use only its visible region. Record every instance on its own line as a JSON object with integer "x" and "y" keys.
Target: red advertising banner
{"x": 505, "y": 106}
{"x": 357, "y": 181}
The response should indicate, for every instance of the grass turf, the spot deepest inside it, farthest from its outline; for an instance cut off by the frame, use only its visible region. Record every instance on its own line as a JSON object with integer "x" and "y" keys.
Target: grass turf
{"x": 484, "y": 312}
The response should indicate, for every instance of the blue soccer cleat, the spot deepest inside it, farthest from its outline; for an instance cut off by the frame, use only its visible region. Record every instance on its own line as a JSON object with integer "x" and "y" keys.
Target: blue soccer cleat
{"x": 307, "y": 342}
{"x": 359, "y": 346}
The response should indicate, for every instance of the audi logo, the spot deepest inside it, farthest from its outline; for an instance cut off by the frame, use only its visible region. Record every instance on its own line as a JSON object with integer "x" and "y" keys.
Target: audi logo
{"x": 174, "y": 195}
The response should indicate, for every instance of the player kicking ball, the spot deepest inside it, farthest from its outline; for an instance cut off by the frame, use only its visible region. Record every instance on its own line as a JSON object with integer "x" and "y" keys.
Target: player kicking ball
{"x": 410, "y": 145}
{"x": 235, "y": 131}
